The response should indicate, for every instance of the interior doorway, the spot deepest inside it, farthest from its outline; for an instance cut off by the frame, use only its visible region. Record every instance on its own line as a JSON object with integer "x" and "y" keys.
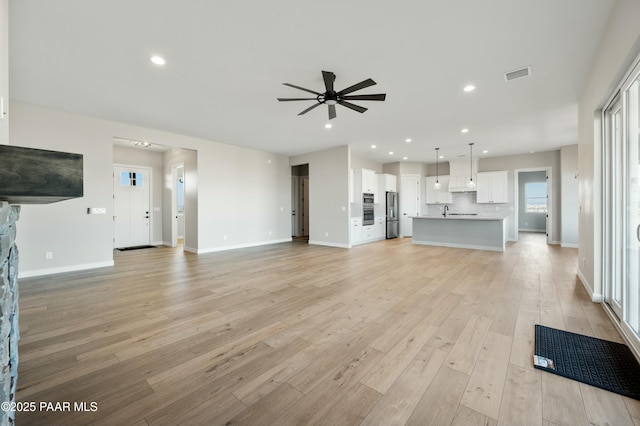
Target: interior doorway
{"x": 178, "y": 224}
{"x": 532, "y": 199}
{"x": 131, "y": 201}
{"x": 300, "y": 202}
{"x": 409, "y": 202}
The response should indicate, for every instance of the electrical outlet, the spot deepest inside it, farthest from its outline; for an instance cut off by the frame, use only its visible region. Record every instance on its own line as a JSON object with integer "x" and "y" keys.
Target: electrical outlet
{"x": 326, "y": 234}
{"x": 48, "y": 255}
{"x": 224, "y": 237}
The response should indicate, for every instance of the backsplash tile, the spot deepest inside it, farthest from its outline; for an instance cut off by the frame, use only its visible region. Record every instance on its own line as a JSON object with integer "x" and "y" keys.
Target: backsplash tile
{"x": 465, "y": 202}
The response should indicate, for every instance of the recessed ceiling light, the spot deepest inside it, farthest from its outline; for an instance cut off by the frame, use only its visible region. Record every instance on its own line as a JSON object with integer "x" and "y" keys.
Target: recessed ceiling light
{"x": 373, "y": 147}
{"x": 485, "y": 152}
{"x": 158, "y": 60}
{"x": 441, "y": 157}
{"x": 464, "y": 130}
{"x": 328, "y": 126}
{"x": 405, "y": 158}
{"x": 390, "y": 152}
{"x": 141, "y": 143}
{"x": 407, "y": 140}
{"x": 469, "y": 88}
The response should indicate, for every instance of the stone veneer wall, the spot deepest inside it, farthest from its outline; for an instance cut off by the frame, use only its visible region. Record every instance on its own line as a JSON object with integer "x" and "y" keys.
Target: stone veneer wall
{"x": 8, "y": 310}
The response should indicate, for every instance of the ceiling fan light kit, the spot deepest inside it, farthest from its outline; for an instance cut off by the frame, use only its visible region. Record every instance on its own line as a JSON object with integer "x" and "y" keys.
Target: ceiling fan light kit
{"x": 331, "y": 98}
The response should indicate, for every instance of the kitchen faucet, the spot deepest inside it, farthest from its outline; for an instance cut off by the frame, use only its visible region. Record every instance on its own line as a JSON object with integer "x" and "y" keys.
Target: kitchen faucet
{"x": 444, "y": 210}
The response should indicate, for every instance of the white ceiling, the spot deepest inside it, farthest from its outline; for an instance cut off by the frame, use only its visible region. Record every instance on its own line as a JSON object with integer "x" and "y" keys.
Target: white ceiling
{"x": 226, "y": 62}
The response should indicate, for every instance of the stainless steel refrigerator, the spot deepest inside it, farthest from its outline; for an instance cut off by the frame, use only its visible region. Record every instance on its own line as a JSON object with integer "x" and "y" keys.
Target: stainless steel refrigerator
{"x": 392, "y": 215}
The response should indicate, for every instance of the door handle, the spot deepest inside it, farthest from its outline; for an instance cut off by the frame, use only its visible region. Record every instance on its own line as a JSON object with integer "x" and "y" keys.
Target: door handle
{"x": 638, "y": 232}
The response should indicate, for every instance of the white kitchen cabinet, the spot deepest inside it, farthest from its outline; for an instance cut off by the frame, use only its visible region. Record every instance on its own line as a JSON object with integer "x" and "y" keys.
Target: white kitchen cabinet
{"x": 365, "y": 181}
{"x": 492, "y": 187}
{"x": 438, "y": 196}
{"x": 380, "y": 231}
{"x": 387, "y": 183}
{"x": 368, "y": 233}
{"x": 356, "y": 230}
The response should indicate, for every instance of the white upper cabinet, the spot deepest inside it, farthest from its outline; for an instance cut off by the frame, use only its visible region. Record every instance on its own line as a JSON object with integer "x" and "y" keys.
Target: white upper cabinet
{"x": 387, "y": 183}
{"x": 365, "y": 181}
{"x": 438, "y": 196}
{"x": 492, "y": 187}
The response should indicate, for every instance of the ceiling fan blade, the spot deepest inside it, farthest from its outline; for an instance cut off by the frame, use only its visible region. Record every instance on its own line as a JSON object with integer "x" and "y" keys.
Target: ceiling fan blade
{"x": 352, "y": 106}
{"x": 301, "y": 88}
{"x": 310, "y": 108}
{"x": 297, "y": 99}
{"x": 366, "y": 83}
{"x": 378, "y": 97}
{"x": 329, "y": 78}
{"x": 332, "y": 111}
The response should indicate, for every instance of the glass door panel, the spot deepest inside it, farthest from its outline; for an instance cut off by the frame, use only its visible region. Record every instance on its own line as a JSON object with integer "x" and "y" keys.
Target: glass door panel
{"x": 614, "y": 199}
{"x": 632, "y": 220}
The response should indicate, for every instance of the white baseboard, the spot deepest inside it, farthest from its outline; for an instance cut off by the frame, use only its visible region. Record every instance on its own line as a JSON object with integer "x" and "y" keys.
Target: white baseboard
{"x": 237, "y": 246}
{"x": 568, "y": 245}
{"x": 328, "y": 244}
{"x": 63, "y": 269}
{"x": 595, "y": 297}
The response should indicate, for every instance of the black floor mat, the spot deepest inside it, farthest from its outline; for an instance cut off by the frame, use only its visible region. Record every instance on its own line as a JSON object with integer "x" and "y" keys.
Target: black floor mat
{"x": 601, "y": 363}
{"x": 134, "y": 248}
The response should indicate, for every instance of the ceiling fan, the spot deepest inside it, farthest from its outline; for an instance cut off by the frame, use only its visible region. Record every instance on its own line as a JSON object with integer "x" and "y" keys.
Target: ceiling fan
{"x": 330, "y": 97}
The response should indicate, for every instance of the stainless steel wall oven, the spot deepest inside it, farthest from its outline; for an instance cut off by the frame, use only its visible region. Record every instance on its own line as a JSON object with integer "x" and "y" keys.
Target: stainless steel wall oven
{"x": 367, "y": 209}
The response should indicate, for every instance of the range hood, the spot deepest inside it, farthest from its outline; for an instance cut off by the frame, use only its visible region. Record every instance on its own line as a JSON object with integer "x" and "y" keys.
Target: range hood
{"x": 459, "y": 175}
{"x": 37, "y": 176}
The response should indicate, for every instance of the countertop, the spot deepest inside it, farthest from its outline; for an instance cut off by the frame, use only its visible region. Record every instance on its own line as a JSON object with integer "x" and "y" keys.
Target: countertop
{"x": 461, "y": 217}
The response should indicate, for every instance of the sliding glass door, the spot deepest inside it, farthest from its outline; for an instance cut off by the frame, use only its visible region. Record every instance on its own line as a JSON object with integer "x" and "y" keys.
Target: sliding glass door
{"x": 614, "y": 150}
{"x": 621, "y": 205}
{"x": 632, "y": 220}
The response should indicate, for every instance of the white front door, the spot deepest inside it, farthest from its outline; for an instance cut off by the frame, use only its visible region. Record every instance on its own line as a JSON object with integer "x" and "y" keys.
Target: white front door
{"x": 410, "y": 202}
{"x": 130, "y": 206}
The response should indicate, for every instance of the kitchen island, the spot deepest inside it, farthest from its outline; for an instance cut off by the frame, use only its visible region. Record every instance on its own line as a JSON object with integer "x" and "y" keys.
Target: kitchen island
{"x": 474, "y": 232}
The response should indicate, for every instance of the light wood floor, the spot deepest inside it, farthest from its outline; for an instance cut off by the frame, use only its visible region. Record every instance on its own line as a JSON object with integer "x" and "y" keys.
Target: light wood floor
{"x": 387, "y": 333}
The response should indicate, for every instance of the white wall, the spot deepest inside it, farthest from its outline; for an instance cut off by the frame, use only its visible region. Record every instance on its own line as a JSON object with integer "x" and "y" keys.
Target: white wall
{"x": 4, "y": 69}
{"x": 241, "y": 193}
{"x": 527, "y": 161}
{"x": 328, "y": 195}
{"x": 619, "y": 46}
{"x": 64, "y": 228}
{"x": 153, "y": 160}
{"x": 569, "y": 185}
{"x": 362, "y": 163}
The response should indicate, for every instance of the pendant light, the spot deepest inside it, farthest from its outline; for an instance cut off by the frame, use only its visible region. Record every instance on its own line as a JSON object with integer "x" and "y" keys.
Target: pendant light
{"x": 471, "y": 183}
{"x": 437, "y": 184}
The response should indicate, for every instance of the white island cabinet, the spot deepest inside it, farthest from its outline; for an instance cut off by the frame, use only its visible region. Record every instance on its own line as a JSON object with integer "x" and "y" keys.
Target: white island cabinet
{"x": 474, "y": 232}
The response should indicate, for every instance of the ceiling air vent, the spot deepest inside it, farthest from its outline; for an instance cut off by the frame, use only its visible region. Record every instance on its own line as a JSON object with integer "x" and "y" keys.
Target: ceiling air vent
{"x": 512, "y": 75}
